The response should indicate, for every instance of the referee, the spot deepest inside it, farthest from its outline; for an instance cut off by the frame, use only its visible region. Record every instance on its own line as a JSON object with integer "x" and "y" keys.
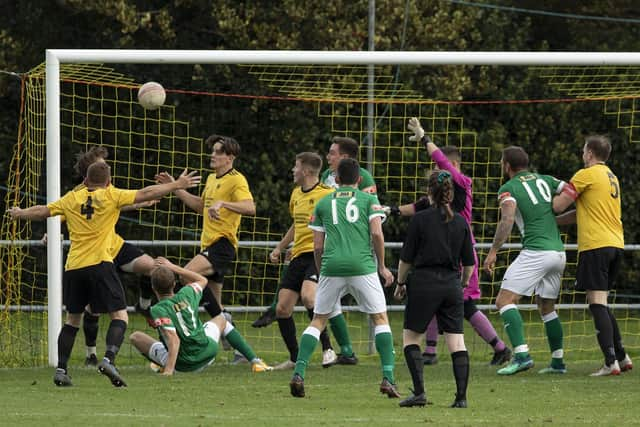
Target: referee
{"x": 438, "y": 241}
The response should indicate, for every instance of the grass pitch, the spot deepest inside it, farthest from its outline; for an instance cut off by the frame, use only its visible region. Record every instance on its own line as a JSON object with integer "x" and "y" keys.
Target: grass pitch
{"x": 342, "y": 395}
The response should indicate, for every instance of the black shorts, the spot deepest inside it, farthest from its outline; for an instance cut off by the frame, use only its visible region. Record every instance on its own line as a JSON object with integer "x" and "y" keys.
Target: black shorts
{"x": 301, "y": 268}
{"x": 431, "y": 294}
{"x": 97, "y": 285}
{"x": 598, "y": 269}
{"x": 126, "y": 254}
{"x": 220, "y": 255}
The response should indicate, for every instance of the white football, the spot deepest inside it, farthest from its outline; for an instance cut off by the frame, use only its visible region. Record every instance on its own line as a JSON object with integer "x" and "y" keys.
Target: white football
{"x": 151, "y": 95}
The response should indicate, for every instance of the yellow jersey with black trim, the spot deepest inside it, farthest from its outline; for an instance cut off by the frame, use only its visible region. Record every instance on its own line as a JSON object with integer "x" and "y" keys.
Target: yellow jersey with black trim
{"x": 598, "y": 208}
{"x": 301, "y": 206}
{"x": 230, "y": 187}
{"x": 117, "y": 241}
{"x": 91, "y": 218}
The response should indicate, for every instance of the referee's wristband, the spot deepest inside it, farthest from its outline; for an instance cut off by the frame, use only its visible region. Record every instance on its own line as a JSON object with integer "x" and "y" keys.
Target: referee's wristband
{"x": 401, "y": 284}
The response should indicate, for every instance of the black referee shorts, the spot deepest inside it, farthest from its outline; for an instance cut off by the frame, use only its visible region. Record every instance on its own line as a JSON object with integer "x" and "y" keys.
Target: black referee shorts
{"x": 220, "y": 255}
{"x": 598, "y": 269}
{"x": 437, "y": 294}
{"x": 301, "y": 268}
{"x": 97, "y": 285}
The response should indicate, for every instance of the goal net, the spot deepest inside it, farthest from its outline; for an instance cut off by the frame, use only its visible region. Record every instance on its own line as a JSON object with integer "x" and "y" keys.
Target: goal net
{"x": 275, "y": 111}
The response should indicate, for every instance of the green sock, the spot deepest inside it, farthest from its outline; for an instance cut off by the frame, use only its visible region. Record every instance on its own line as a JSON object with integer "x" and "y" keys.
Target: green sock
{"x": 553, "y": 328}
{"x": 236, "y": 341}
{"x": 515, "y": 329}
{"x": 341, "y": 332}
{"x": 384, "y": 346}
{"x": 308, "y": 343}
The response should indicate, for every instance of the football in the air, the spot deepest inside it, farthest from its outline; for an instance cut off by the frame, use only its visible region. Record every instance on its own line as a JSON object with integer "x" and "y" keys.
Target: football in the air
{"x": 151, "y": 95}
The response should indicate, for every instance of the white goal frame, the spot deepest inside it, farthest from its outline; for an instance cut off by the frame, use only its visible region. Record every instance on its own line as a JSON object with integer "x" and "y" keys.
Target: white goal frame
{"x": 55, "y": 57}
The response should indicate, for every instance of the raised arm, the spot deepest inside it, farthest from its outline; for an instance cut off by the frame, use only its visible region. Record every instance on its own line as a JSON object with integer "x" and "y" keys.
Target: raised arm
{"x": 34, "y": 213}
{"x": 186, "y": 180}
{"x": 195, "y": 203}
{"x": 188, "y": 275}
{"x": 508, "y": 216}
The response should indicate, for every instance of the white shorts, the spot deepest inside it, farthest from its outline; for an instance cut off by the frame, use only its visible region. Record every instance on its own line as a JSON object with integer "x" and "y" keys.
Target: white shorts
{"x": 366, "y": 289}
{"x": 535, "y": 273}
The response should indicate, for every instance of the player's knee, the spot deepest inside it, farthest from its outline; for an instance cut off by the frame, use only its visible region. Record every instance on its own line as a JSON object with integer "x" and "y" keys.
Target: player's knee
{"x": 283, "y": 311}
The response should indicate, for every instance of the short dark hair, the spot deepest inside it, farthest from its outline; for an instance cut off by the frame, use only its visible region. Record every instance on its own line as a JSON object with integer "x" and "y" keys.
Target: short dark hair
{"x": 517, "y": 158}
{"x": 347, "y": 146}
{"x": 163, "y": 280}
{"x": 451, "y": 152}
{"x": 229, "y": 145}
{"x": 87, "y": 158}
{"x": 348, "y": 171}
{"x": 98, "y": 173}
{"x": 600, "y": 146}
{"x": 311, "y": 160}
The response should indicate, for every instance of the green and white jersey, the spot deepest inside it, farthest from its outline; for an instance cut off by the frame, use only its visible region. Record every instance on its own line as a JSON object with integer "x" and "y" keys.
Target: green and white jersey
{"x": 344, "y": 218}
{"x": 180, "y": 314}
{"x": 533, "y": 194}
{"x": 328, "y": 177}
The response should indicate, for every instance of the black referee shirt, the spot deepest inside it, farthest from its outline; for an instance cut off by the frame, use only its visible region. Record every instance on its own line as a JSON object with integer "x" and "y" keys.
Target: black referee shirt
{"x": 432, "y": 242}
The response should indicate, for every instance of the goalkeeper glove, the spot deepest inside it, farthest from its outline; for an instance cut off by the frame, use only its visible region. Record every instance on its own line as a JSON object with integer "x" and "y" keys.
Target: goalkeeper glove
{"x": 414, "y": 126}
{"x": 392, "y": 210}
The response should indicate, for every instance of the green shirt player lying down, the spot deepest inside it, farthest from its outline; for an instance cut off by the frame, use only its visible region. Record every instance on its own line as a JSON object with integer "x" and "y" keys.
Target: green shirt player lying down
{"x": 186, "y": 344}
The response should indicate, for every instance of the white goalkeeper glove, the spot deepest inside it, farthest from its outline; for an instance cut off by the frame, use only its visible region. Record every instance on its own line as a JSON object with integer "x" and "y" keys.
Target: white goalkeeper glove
{"x": 414, "y": 126}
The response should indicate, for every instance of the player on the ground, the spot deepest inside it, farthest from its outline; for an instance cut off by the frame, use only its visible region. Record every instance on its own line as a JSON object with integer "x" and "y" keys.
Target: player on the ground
{"x": 186, "y": 344}
{"x": 299, "y": 282}
{"x": 596, "y": 193}
{"x": 127, "y": 258}
{"x": 526, "y": 200}
{"x": 90, "y": 277}
{"x": 438, "y": 242}
{"x": 346, "y": 224}
{"x": 448, "y": 158}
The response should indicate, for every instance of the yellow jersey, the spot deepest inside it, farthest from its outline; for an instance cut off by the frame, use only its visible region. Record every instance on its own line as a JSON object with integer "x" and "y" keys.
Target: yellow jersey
{"x": 230, "y": 187}
{"x": 91, "y": 218}
{"x": 117, "y": 242}
{"x": 598, "y": 208}
{"x": 301, "y": 206}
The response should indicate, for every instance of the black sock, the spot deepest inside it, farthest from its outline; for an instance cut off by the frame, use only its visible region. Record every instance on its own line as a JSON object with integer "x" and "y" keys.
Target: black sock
{"x": 617, "y": 339}
{"x": 210, "y": 303}
{"x": 115, "y": 336}
{"x": 146, "y": 291}
{"x": 90, "y": 328}
{"x": 460, "y": 361}
{"x": 65, "y": 345}
{"x": 324, "y": 335}
{"x": 288, "y": 332}
{"x": 604, "y": 331}
{"x": 413, "y": 359}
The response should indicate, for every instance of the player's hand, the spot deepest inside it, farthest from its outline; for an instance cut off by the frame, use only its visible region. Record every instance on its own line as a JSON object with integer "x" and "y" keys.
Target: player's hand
{"x": 188, "y": 180}
{"x": 14, "y": 212}
{"x": 415, "y": 127}
{"x": 163, "y": 178}
{"x": 162, "y": 261}
{"x": 214, "y": 210}
{"x": 489, "y": 262}
{"x": 287, "y": 256}
{"x": 387, "y": 275}
{"x": 274, "y": 256}
{"x": 400, "y": 292}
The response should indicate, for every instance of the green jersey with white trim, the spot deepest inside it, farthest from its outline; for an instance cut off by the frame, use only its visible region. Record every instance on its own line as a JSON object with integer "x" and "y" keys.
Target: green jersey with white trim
{"x": 180, "y": 314}
{"x": 344, "y": 218}
{"x": 533, "y": 194}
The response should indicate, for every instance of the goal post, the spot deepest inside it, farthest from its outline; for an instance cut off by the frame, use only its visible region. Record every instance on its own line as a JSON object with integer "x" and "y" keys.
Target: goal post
{"x": 56, "y": 57}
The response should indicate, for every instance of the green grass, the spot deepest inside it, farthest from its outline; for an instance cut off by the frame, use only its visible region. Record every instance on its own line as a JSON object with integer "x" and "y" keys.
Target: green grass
{"x": 342, "y": 395}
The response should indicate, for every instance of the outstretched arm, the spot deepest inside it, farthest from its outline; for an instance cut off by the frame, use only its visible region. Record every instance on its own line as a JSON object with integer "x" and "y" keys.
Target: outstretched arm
{"x": 186, "y": 180}
{"x": 34, "y": 213}
{"x": 191, "y": 200}
{"x": 508, "y": 216}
